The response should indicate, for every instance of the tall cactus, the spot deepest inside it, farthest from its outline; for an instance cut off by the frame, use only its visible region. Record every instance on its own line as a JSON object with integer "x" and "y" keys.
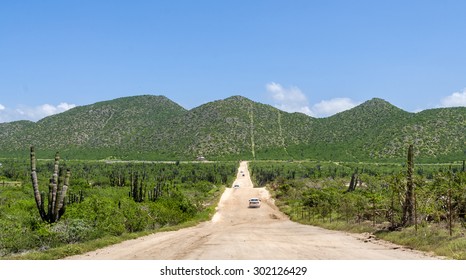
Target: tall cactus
{"x": 137, "y": 187}
{"x": 57, "y": 191}
{"x": 353, "y": 182}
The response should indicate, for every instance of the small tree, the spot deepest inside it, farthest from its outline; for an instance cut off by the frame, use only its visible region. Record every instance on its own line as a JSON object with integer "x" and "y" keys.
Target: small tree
{"x": 57, "y": 191}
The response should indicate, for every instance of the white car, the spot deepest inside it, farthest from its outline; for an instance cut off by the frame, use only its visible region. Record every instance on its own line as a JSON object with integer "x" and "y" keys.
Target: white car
{"x": 254, "y": 202}
{"x": 236, "y": 186}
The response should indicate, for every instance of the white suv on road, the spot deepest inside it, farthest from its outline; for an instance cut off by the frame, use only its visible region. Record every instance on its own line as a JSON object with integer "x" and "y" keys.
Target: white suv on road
{"x": 254, "y": 202}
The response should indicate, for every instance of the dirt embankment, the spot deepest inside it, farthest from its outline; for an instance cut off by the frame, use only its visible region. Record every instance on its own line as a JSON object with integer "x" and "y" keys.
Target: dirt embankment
{"x": 238, "y": 232}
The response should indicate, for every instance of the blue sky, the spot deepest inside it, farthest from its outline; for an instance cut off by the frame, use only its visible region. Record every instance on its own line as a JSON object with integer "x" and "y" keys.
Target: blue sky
{"x": 316, "y": 57}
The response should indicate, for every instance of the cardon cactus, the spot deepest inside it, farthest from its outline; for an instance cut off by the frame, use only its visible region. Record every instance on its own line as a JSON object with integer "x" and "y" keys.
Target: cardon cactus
{"x": 137, "y": 188}
{"x": 57, "y": 191}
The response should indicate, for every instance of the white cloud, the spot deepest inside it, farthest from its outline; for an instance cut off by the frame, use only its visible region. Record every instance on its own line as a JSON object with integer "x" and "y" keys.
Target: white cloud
{"x": 456, "y": 99}
{"x": 294, "y": 100}
{"x": 330, "y": 107}
{"x": 32, "y": 113}
{"x": 289, "y": 99}
{"x": 65, "y": 106}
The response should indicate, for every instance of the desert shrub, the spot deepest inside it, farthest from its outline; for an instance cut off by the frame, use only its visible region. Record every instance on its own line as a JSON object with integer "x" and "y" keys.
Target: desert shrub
{"x": 102, "y": 214}
{"x": 136, "y": 215}
{"x": 13, "y": 238}
{"x": 73, "y": 230}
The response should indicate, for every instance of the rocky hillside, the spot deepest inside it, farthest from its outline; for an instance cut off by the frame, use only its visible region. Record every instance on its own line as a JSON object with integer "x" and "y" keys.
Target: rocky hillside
{"x": 156, "y": 128}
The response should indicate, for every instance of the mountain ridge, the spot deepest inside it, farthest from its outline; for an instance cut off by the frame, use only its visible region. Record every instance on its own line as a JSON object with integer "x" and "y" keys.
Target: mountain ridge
{"x": 154, "y": 127}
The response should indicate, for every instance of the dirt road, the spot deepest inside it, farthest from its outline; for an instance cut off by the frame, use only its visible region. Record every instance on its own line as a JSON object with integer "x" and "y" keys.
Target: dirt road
{"x": 239, "y": 232}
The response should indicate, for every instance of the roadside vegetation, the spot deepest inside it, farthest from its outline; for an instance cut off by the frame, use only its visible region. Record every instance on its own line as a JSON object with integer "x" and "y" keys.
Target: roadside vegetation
{"x": 105, "y": 203}
{"x": 111, "y": 201}
{"x": 370, "y": 197}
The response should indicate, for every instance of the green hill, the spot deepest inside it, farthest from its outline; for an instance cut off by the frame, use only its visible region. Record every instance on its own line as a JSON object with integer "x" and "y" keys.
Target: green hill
{"x": 362, "y": 132}
{"x": 155, "y": 128}
{"x": 14, "y": 135}
{"x": 240, "y": 128}
{"x": 104, "y": 129}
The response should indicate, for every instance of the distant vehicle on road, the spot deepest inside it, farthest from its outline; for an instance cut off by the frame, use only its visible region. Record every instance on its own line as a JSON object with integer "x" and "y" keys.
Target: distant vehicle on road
{"x": 254, "y": 202}
{"x": 236, "y": 186}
